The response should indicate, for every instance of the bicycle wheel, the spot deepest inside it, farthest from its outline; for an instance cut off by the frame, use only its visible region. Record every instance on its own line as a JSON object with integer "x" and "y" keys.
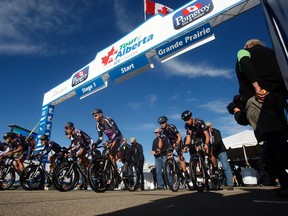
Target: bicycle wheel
{"x": 213, "y": 178}
{"x": 131, "y": 177}
{"x": 171, "y": 174}
{"x": 65, "y": 177}
{"x": 100, "y": 176}
{"x": 197, "y": 173}
{"x": 32, "y": 178}
{"x": 7, "y": 178}
{"x": 190, "y": 184}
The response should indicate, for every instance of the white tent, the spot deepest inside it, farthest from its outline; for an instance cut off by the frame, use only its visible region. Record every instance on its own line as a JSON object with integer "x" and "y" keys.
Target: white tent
{"x": 237, "y": 140}
{"x": 242, "y": 144}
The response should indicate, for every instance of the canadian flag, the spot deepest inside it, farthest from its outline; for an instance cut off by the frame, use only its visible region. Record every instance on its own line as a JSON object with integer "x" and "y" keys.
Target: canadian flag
{"x": 190, "y": 9}
{"x": 153, "y": 8}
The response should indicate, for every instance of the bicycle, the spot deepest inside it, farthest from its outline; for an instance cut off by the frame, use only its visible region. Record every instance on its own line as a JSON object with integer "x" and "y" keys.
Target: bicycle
{"x": 102, "y": 173}
{"x": 201, "y": 169}
{"x": 173, "y": 173}
{"x": 9, "y": 174}
{"x": 33, "y": 176}
{"x": 66, "y": 175}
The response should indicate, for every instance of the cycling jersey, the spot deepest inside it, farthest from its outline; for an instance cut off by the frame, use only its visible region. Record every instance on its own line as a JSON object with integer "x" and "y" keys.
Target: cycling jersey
{"x": 171, "y": 133}
{"x": 4, "y": 148}
{"x": 51, "y": 146}
{"x": 111, "y": 130}
{"x": 197, "y": 129}
{"x": 81, "y": 139}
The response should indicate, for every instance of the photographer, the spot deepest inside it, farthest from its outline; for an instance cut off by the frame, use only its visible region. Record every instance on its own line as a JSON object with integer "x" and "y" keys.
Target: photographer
{"x": 237, "y": 108}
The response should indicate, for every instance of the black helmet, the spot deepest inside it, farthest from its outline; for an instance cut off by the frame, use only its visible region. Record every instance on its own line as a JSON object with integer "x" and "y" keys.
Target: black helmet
{"x": 162, "y": 119}
{"x": 69, "y": 125}
{"x": 7, "y": 135}
{"x": 96, "y": 111}
{"x": 44, "y": 137}
{"x": 186, "y": 115}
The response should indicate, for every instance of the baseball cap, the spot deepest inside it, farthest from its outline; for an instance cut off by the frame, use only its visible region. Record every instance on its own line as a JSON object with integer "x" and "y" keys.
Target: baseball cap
{"x": 208, "y": 124}
{"x": 157, "y": 130}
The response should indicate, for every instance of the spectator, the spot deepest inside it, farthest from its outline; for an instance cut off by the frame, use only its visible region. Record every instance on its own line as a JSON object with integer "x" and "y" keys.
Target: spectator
{"x": 159, "y": 150}
{"x": 264, "y": 94}
{"x": 220, "y": 152}
{"x": 125, "y": 151}
{"x": 138, "y": 158}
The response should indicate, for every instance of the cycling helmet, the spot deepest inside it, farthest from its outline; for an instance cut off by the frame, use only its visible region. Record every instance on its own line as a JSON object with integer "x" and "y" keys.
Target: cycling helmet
{"x": 44, "y": 137}
{"x": 162, "y": 119}
{"x": 186, "y": 115}
{"x": 7, "y": 135}
{"x": 96, "y": 111}
{"x": 69, "y": 125}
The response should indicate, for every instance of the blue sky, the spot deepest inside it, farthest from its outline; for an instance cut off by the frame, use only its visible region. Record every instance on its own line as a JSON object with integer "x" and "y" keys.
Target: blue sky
{"x": 42, "y": 43}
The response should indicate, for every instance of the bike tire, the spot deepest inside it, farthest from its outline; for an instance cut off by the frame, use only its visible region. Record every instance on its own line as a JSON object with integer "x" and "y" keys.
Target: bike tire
{"x": 214, "y": 178}
{"x": 171, "y": 174}
{"x": 32, "y": 178}
{"x": 100, "y": 177}
{"x": 189, "y": 185}
{"x": 131, "y": 177}
{"x": 7, "y": 178}
{"x": 65, "y": 177}
{"x": 197, "y": 173}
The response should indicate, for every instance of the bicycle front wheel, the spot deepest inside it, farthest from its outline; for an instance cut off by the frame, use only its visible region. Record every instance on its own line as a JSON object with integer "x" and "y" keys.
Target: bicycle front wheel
{"x": 197, "y": 173}
{"x": 130, "y": 176}
{"x": 172, "y": 176}
{"x": 32, "y": 178}
{"x": 7, "y": 178}
{"x": 100, "y": 175}
{"x": 65, "y": 177}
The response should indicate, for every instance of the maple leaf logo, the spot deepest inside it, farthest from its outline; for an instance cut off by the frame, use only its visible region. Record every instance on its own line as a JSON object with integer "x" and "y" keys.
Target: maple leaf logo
{"x": 107, "y": 59}
{"x": 164, "y": 10}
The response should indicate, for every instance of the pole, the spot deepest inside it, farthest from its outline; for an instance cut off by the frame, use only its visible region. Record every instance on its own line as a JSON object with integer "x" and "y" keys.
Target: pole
{"x": 32, "y": 131}
{"x": 145, "y": 10}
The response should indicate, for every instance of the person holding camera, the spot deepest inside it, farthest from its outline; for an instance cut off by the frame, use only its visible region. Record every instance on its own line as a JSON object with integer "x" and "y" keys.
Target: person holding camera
{"x": 159, "y": 150}
{"x": 264, "y": 95}
{"x": 237, "y": 108}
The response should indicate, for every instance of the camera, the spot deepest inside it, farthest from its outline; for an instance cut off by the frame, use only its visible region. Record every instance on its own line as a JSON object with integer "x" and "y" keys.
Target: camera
{"x": 237, "y": 102}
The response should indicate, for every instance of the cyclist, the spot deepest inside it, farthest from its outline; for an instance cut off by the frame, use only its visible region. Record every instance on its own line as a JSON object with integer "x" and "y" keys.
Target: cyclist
{"x": 80, "y": 142}
{"x": 175, "y": 139}
{"x": 19, "y": 147}
{"x": 50, "y": 146}
{"x": 107, "y": 126}
{"x": 197, "y": 131}
{"x": 125, "y": 151}
{"x": 4, "y": 149}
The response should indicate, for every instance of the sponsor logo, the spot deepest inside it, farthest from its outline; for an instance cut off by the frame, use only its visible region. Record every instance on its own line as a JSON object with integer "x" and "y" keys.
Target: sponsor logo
{"x": 192, "y": 12}
{"x": 125, "y": 50}
{"x": 80, "y": 76}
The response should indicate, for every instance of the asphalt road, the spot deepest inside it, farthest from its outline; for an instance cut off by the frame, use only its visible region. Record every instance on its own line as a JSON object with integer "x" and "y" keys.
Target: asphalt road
{"x": 244, "y": 201}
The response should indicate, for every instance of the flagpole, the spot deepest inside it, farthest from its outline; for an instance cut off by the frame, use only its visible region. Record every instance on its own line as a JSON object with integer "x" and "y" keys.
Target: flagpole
{"x": 145, "y": 10}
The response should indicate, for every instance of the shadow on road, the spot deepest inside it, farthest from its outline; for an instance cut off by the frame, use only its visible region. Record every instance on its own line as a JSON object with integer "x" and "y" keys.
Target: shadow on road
{"x": 249, "y": 202}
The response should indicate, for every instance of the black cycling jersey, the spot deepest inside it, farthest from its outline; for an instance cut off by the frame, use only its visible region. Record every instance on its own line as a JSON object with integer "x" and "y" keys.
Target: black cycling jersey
{"x": 171, "y": 133}
{"x": 197, "y": 129}
{"x": 81, "y": 139}
{"x": 110, "y": 128}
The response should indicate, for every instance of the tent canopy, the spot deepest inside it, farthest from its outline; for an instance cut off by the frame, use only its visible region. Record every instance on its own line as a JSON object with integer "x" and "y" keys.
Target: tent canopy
{"x": 244, "y": 150}
{"x": 246, "y": 138}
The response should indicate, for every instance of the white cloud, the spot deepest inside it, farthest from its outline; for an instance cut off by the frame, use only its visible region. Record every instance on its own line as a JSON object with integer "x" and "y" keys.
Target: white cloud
{"x": 216, "y": 106}
{"x": 134, "y": 105}
{"x": 182, "y": 68}
{"x": 25, "y": 25}
{"x": 152, "y": 99}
